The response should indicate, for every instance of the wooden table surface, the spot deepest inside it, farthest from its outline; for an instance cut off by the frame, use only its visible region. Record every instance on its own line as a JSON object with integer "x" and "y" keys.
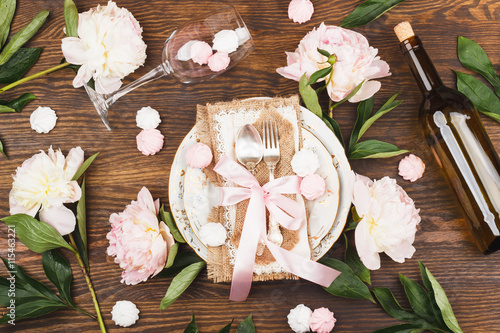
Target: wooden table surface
{"x": 443, "y": 242}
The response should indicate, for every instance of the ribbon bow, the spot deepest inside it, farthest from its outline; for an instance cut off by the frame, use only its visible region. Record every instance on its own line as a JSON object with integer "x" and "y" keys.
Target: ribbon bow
{"x": 287, "y": 212}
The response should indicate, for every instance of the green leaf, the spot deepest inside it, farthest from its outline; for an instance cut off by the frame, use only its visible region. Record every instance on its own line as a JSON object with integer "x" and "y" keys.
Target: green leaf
{"x": 403, "y": 328}
{"x": 480, "y": 95}
{"x": 16, "y": 105}
{"x": 391, "y": 306}
{"x": 335, "y": 127}
{"x": 495, "y": 116}
{"x": 84, "y": 166}
{"x": 19, "y": 64}
{"x": 172, "y": 253}
{"x": 374, "y": 149}
{"x": 368, "y": 11}
{"x": 388, "y": 106}
{"x": 71, "y": 18}
{"x": 36, "y": 235}
{"x": 443, "y": 303}
{"x": 352, "y": 93}
{"x": 192, "y": 328}
{"x": 435, "y": 308}
{"x": 7, "y": 10}
{"x": 353, "y": 261}
{"x": 22, "y": 36}
{"x": 473, "y": 57}
{"x": 309, "y": 96}
{"x": 81, "y": 218}
{"x": 419, "y": 299}
{"x": 2, "y": 151}
{"x": 180, "y": 283}
{"x": 351, "y": 225}
{"x": 347, "y": 284}
{"x": 365, "y": 109}
{"x": 58, "y": 271}
{"x": 227, "y": 328}
{"x": 246, "y": 326}
{"x": 324, "y": 52}
{"x": 320, "y": 74}
{"x": 34, "y": 309}
{"x": 169, "y": 221}
{"x": 181, "y": 261}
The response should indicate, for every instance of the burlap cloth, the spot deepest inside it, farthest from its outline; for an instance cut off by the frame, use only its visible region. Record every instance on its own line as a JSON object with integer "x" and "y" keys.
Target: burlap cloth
{"x": 208, "y": 128}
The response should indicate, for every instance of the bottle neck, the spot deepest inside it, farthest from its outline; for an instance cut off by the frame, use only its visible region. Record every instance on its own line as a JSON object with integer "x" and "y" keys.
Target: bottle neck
{"x": 421, "y": 65}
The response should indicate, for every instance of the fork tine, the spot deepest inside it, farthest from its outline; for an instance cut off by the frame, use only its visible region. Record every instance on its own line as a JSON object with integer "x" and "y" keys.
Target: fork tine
{"x": 277, "y": 146}
{"x": 265, "y": 136}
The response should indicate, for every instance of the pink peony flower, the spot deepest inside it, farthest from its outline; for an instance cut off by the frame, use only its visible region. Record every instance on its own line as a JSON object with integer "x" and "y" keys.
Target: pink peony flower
{"x": 411, "y": 168}
{"x": 312, "y": 186}
{"x": 150, "y": 141}
{"x": 109, "y": 47}
{"x": 219, "y": 61}
{"x": 199, "y": 155}
{"x": 44, "y": 183}
{"x": 300, "y": 11}
{"x": 356, "y": 62}
{"x": 137, "y": 241}
{"x": 322, "y": 321}
{"x": 388, "y": 223}
{"x": 201, "y": 52}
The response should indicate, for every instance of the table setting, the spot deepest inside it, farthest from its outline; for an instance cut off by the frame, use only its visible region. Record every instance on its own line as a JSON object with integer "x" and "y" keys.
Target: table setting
{"x": 275, "y": 180}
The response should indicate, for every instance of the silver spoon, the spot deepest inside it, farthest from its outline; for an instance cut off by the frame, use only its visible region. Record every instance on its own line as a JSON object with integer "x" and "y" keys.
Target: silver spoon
{"x": 249, "y": 151}
{"x": 249, "y": 148}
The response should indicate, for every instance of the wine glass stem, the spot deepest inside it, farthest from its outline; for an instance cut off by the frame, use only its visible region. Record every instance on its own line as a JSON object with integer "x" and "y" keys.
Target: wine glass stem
{"x": 156, "y": 73}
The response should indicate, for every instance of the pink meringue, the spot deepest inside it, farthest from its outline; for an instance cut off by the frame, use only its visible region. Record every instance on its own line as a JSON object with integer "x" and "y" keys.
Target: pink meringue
{"x": 201, "y": 52}
{"x": 300, "y": 11}
{"x": 312, "y": 186}
{"x": 199, "y": 155}
{"x": 411, "y": 168}
{"x": 219, "y": 61}
{"x": 322, "y": 321}
{"x": 150, "y": 141}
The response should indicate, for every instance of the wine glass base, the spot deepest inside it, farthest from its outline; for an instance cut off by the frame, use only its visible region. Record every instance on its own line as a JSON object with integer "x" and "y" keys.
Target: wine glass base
{"x": 100, "y": 105}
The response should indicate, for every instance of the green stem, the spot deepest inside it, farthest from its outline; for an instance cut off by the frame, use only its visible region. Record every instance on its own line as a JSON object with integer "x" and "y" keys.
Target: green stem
{"x": 89, "y": 285}
{"x": 84, "y": 312}
{"x": 34, "y": 76}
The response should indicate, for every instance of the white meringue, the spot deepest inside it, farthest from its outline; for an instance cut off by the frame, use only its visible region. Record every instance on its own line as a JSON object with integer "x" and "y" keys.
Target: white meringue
{"x": 43, "y": 119}
{"x": 298, "y": 318}
{"x": 125, "y": 313}
{"x": 305, "y": 162}
{"x": 226, "y": 41}
{"x": 213, "y": 234}
{"x": 147, "y": 118}
{"x": 184, "y": 53}
{"x": 243, "y": 35}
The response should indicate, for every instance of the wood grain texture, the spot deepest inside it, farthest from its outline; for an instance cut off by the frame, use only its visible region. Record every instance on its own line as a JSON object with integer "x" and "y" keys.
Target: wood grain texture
{"x": 443, "y": 241}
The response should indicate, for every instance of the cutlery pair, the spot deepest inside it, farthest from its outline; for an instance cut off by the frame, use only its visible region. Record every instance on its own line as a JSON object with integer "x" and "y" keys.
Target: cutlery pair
{"x": 250, "y": 150}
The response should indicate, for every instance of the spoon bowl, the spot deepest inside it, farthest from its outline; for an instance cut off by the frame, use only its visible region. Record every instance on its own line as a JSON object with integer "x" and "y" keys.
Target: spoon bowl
{"x": 249, "y": 148}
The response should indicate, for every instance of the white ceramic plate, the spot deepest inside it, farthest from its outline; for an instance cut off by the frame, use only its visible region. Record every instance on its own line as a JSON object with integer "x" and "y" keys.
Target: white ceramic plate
{"x": 317, "y": 136}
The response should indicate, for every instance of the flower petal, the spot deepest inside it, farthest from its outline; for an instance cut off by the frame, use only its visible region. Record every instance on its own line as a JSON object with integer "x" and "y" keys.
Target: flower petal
{"x": 366, "y": 247}
{"x": 60, "y": 217}
{"x": 368, "y": 89}
{"x": 107, "y": 84}
{"x": 73, "y": 50}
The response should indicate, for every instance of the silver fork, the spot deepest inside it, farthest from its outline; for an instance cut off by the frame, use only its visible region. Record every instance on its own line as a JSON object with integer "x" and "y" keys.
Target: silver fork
{"x": 272, "y": 157}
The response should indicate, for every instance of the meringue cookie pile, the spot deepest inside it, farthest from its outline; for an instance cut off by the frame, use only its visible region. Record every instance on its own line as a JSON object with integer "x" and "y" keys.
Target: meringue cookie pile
{"x": 305, "y": 163}
{"x": 199, "y": 156}
{"x": 43, "y": 119}
{"x": 125, "y": 313}
{"x": 301, "y": 319}
{"x": 149, "y": 140}
{"x": 300, "y": 11}
{"x": 224, "y": 43}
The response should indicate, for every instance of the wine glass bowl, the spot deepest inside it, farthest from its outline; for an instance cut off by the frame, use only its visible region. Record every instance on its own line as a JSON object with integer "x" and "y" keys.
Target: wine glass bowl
{"x": 183, "y": 68}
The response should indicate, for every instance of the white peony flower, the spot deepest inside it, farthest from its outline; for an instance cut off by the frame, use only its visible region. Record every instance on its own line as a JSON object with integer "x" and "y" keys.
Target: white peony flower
{"x": 305, "y": 162}
{"x": 299, "y": 318}
{"x": 213, "y": 234}
{"x": 125, "y": 313}
{"x": 43, "y": 119}
{"x": 43, "y": 182}
{"x": 109, "y": 47}
{"x": 147, "y": 118}
{"x": 388, "y": 223}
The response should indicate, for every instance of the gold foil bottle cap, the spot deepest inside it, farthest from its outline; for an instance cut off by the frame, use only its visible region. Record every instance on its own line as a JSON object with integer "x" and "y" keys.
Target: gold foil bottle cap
{"x": 404, "y": 31}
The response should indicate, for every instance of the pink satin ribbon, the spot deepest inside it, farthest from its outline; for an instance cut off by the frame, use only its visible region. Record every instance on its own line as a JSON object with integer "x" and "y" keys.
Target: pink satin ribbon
{"x": 287, "y": 212}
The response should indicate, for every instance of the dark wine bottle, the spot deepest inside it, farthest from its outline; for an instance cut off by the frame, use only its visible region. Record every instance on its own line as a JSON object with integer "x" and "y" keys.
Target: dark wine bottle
{"x": 453, "y": 130}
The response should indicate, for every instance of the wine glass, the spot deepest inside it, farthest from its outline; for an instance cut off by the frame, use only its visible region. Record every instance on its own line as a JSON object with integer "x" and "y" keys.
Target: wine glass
{"x": 174, "y": 60}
